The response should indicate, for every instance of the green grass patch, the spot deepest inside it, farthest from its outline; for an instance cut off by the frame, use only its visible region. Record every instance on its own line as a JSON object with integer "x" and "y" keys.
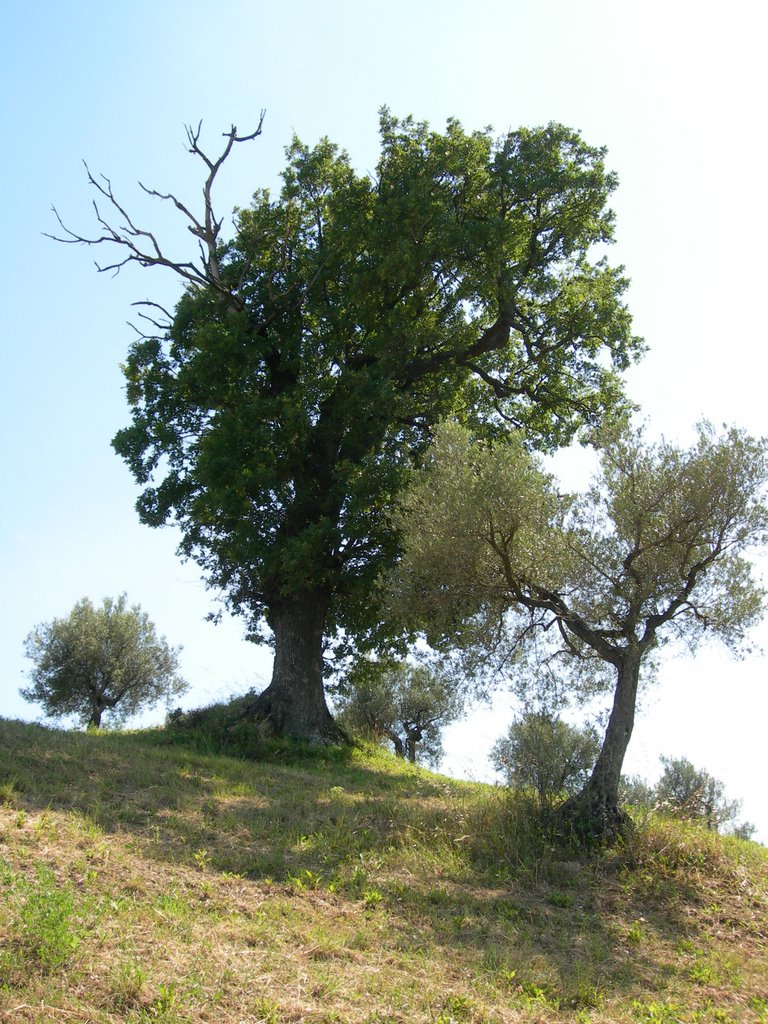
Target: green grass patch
{"x": 146, "y": 878}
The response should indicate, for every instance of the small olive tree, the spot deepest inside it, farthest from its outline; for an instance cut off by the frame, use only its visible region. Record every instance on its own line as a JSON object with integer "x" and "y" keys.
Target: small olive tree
{"x": 407, "y": 705}
{"x": 100, "y": 660}
{"x": 685, "y": 791}
{"x": 693, "y": 793}
{"x": 543, "y": 753}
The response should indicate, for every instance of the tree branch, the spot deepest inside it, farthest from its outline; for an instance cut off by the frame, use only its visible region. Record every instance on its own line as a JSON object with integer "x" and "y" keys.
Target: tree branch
{"x": 142, "y": 246}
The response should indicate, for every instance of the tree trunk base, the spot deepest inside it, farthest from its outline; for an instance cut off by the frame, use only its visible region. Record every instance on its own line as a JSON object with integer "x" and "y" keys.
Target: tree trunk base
{"x": 277, "y": 717}
{"x": 589, "y": 819}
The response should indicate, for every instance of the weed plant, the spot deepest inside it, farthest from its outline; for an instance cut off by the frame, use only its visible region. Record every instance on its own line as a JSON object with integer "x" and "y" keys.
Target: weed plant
{"x": 45, "y": 920}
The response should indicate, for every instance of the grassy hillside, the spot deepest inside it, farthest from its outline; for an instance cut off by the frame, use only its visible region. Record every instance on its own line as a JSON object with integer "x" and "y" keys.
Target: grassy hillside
{"x": 150, "y": 883}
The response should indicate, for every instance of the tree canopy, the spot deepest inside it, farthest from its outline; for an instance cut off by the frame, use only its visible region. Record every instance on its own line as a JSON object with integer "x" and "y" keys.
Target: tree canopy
{"x": 97, "y": 661}
{"x": 276, "y": 411}
{"x": 693, "y": 793}
{"x": 543, "y": 753}
{"x": 407, "y": 705}
{"x": 656, "y": 551}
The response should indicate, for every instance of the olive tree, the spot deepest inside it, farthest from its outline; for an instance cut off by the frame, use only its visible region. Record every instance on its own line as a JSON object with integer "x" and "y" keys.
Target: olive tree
{"x": 407, "y": 705}
{"x": 543, "y": 753}
{"x": 688, "y": 792}
{"x": 97, "y": 661}
{"x": 277, "y": 409}
{"x": 691, "y": 792}
{"x": 655, "y": 552}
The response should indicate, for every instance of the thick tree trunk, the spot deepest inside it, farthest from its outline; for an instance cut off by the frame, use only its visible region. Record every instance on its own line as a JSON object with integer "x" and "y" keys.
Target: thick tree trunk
{"x": 293, "y": 705}
{"x": 594, "y": 814}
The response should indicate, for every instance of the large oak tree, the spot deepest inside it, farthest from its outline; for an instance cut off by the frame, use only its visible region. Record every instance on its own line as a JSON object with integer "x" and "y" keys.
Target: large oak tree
{"x": 310, "y": 355}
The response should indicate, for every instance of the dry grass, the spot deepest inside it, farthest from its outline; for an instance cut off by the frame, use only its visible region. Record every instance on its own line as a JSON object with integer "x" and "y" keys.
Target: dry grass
{"x": 143, "y": 883}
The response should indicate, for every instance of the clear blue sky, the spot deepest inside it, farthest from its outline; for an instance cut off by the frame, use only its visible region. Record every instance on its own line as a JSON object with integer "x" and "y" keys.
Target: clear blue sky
{"x": 677, "y": 91}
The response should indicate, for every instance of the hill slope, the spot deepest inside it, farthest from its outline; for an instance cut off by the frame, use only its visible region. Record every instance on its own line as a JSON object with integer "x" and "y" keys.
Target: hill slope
{"x": 143, "y": 882}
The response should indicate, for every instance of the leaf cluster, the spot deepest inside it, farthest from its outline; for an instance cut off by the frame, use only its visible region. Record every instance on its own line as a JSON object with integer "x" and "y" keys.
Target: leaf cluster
{"x": 394, "y": 701}
{"x": 688, "y": 792}
{"x": 546, "y": 754}
{"x": 667, "y": 532}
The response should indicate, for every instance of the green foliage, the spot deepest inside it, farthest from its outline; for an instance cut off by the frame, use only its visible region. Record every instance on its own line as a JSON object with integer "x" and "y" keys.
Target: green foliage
{"x": 127, "y": 982}
{"x": 275, "y": 420}
{"x": 407, "y": 705}
{"x": 564, "y": 900}
{"x": 656, "y": 1012}
{"x": 46, "y": 928}
{"x": 267, "y": 1011}
{"x": 372, "y": 898}
{"x": 98, "y": 661}
{"x": 655, "y": 552}
{"x": 637, "y": 791}
{"x": 547, "y": 755}
{"x": 691, "y": 792}
{"x": 744, "y": 830}
{"x": 473, "y": 521}
{"x": 165, "y": 1008}
{"x": 635, "y": 933}
{"x": 659, "y": 540}
{"x": 685, "y": 519}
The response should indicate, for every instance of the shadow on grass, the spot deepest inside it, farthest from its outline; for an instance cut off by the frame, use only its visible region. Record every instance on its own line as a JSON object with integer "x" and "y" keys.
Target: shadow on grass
{"x": 452, "y": 863}
{"x": 313, "y": 808}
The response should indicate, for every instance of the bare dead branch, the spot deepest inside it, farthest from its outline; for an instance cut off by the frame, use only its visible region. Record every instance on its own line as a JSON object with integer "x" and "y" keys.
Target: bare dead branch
{"x": 142, "y": 247}
{"x": 142, "y": 334}
{"x": 154, "y": 305}
{"x": 161, "y": 325}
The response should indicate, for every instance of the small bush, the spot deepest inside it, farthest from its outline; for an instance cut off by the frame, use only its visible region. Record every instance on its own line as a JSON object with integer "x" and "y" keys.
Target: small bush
{"x": 542, "y": 753}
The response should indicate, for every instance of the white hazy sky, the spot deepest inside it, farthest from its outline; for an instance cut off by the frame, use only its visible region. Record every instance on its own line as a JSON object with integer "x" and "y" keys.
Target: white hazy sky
{"x": 677, "y": 92}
